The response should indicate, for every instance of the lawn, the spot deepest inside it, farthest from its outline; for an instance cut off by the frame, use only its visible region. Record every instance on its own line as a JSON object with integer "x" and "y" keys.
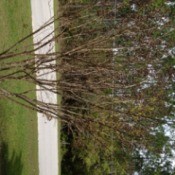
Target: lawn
{"x": 18, "y": 126}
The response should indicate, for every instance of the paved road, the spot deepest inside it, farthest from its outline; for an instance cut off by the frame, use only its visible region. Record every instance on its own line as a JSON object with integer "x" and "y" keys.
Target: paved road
{"x": 42, "y": 11}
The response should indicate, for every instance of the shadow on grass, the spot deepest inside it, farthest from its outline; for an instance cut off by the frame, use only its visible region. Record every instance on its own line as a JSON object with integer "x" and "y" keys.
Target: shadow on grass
{"x": 9, "y": 165}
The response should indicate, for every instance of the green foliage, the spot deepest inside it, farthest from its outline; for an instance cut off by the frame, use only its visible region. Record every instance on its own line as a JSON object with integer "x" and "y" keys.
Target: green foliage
{"x": 126, "y": 113}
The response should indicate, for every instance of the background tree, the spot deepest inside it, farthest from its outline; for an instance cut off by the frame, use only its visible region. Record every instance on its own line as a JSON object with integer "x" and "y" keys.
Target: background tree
{"x": 142, "y": 86}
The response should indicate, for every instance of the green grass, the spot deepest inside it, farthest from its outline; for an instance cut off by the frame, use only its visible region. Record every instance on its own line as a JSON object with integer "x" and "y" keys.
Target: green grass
{"x": 18, "y": 126}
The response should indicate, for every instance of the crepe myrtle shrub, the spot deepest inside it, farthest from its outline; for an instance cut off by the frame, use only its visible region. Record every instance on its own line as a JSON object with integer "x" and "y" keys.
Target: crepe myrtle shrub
{"x": 112, "y": 80}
